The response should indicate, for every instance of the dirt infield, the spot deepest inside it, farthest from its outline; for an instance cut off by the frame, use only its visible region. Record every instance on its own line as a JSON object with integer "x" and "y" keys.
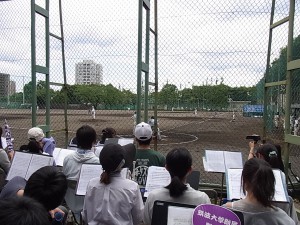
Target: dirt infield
{"x": 206, "y": 130}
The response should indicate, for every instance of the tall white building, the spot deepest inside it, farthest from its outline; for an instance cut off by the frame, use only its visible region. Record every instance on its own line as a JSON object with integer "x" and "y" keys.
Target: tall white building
{"x": 88, "y": 72}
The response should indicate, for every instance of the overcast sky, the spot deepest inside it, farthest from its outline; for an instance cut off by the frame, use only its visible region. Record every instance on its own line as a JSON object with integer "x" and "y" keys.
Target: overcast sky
{"x": 200, "y": 41}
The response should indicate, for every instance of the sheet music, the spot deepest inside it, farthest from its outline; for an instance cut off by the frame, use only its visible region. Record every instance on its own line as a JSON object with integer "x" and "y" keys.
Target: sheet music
{"x": 56, "y": 153}
{"x": 87, "y": 172}
{"x": 59, "y": 154}
{"x": 19, "y": 165}
{"x": 214, "y": 161}
{"x": 111, "y": 140}
{"x": 219, "y": 161}
{"x": 204, "y": 163}
{"x": 180, "y": 215}
{"x": 98, "y": 150}
{"x": 233, "y": 178}
{"x": 90, "y": 171}
{"x": 280, "y": 187}
{"x": 157, "y": 177}
{"x": 37, "y": 162}
{"x": 125, "y": 141}
{"x": 24, "y": 164}
{"x": 233, "y": 160}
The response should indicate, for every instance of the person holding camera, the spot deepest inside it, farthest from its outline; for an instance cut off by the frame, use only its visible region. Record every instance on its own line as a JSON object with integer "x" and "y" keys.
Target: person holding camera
{"x": 253, "y": 144}
{"x": 272, "y": 155}
{"x": 258, "y": 184}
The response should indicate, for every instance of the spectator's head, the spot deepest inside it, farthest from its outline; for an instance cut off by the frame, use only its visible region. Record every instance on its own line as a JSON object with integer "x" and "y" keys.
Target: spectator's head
{"x": 36, "y": 134}
{"x": 108, "y": 132}
{"x": 23, "y": 211}
{"x": 48, "y": 185}
{"x": 143, "y": 133}
{"x": 34, "y": 147}
{"x": 258, "y": 179}
{"x": 179, "y": 165}
{"x": 269, "y": 153}
{"x": 86, "y": 137}
{"x": 112, "y": 159}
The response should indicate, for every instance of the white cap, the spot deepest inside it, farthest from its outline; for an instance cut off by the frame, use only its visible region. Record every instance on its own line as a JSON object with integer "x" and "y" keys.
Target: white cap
{"x": 35, "y": 133}
{"x": 143, "y": 131}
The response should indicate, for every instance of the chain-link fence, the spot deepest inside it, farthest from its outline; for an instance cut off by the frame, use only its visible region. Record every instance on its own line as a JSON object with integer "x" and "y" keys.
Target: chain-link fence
{"x": 211, "y": 62}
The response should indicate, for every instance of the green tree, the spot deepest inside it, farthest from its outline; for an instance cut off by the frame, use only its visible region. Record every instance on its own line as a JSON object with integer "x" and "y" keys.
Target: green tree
{"x": 168, "y": 95}
{"x": 112, "y": 96}
{"x": 40, "y": 92}
{"x": 16, "y": 97}
{"x": 93, "y": 94}
{"x": 28, "y": 92}
{"x": 277, "y": 72}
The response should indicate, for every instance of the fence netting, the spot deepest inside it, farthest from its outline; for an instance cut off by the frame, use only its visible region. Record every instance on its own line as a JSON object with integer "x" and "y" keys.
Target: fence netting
{"x": 211, "y": 62}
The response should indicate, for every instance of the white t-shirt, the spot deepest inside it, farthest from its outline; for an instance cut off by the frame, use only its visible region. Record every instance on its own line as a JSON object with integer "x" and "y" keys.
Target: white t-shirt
{"x": 119, "y": 202}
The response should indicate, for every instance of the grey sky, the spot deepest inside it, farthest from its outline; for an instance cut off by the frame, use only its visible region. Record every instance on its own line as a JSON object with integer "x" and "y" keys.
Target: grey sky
{"x": 199, "y": 40}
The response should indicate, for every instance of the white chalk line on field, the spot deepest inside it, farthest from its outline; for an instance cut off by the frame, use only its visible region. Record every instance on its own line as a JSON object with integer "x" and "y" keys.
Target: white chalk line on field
{"x": 184, "y": 142}
{"x": 168, "y": 131}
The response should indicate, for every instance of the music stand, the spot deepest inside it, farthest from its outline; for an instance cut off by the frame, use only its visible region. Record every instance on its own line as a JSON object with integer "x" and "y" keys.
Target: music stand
{"x": 160, "y": 211}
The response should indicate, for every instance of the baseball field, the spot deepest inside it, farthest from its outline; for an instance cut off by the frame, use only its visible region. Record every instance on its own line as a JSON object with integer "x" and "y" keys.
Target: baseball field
{"x": 197, "y": 132}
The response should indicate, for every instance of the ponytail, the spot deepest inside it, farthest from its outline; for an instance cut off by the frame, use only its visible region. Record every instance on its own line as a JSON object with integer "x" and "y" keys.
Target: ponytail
{"x": 258, "y": 178}
{"x": 264, "y": 193}
{"x": 176, "y": 187}
{"x": 178, "y": 163}
{"x": 105, "y": 177}
{"x": 271, "y": 155}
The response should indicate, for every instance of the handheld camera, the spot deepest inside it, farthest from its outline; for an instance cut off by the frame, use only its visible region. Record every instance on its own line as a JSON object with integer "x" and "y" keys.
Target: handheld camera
{"x": 253, "y": 137}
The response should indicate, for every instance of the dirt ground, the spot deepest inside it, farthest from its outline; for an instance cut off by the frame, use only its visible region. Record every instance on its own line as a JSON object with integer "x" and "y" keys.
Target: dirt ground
{"x": 204, "y": 131}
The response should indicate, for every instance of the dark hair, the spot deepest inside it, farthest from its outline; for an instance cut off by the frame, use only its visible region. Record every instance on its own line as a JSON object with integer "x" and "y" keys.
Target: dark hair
{"x": 108, "y": 132}
{"x": 86, "y": 136}
{"x": 270, "y": 154}
{"x": 48, "y": 185}
{"x": 258, "y": 178}
{"x": 112, "y": 159}
{"x": 23, "y": 211}
{"x": 34, "y": 147}
{"x": 144, "y": 142}
{"x": 178, "y": 163}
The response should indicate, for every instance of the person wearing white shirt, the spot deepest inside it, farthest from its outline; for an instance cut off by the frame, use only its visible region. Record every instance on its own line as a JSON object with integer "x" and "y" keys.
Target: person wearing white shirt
{"x": 93, "y": 112}
{"x": 179, "y": 165}
{"x": 112, "y": 199}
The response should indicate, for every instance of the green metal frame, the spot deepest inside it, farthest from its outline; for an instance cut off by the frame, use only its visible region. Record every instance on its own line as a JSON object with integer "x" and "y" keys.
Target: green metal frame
{"x": 291, "y": 65}
{"x": 144, "y": 66}
{"x": 45, "y": 69}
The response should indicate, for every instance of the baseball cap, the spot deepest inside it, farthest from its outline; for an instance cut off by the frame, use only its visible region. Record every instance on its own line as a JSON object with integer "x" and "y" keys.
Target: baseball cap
{"x": 143, "y": 131}
{"x": 35, "y": 133}
{"x": 112, "y": 157}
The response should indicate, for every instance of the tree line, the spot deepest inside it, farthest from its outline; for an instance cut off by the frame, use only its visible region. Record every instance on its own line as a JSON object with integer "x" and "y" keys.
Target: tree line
{"x": 106, "y": 96}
